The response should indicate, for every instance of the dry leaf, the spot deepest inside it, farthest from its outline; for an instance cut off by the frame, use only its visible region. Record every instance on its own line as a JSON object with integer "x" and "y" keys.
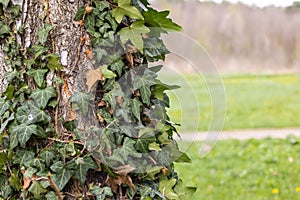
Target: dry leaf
{"x": 102, "y": 103}
{"x": 124, "y": 170}
{"x": 115, "y": 182}
{"x": 92, "y": 76}
{"x": 26, "y": 183}
{"x": 100, "y": 119}
{"x": 81, "y": 22}
{"x": 89, "y": 54}
{"x": 110, "y": 110}
{"x": 164, "y": 170}
{"x": 88, "y": 9}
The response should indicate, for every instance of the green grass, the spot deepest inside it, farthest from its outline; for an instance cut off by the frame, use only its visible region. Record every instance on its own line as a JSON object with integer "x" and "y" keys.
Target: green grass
{"x": 252, "y": 101}
{"x": 245, "y": 170}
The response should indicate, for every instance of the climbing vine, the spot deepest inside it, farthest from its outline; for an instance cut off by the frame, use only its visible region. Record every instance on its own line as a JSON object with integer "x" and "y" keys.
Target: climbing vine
{"x": 129, "y": 152}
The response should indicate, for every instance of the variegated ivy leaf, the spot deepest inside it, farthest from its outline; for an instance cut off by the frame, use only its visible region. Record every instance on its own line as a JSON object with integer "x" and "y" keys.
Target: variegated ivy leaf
{"x": 24, "y": 158}
{"x": 38, "y": 75}
{"x": 83, "y": 101}
{"x": 37, "y": 189}
{"x": 44, "y": 32}
{"x": 24, "y": 132}
{"x": 42, "y": 96}
{"x": 83, "y": 165}
{"x": 62, "y": 177}
{"x": 4, "y": 105}
{"x": 110, "y": 97}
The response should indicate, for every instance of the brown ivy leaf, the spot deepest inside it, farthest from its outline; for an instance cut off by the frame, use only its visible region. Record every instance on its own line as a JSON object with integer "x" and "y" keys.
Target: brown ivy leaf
{"x": 124, "y": 170}
{"x": 100, "y": 118}
{"x": 92, "y": 76}
{"x": 88, "y": 10}
{"x": 164, "y": 170}
{"x": 115, "y": 182}
{"x": 26, "y": 183}
{"x": 81, "y": 22}
{"x": 101, "y": 103}
{"x": 89, "y": 54}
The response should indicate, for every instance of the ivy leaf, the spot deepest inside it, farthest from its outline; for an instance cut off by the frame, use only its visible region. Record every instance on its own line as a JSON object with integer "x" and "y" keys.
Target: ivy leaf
{"x": 39, "y": 50}
{"x": 134, "y": 34}
{"x": 110, "y": 97}
{"x": 4, "y": 106}
{"x": 38, "y": 75}
{"x": 47, "y": 156}
{"x": 62, "y": 177}
{"x": 24, "y": 132}
{"x": 37, "y": 189}
{"x": 58, "y": 166}
{"x": 79, "y": 14}
{"x": 165, "y": 187}
{"x": 42, "y": 96}
{"x": 5, "y": 3}
{"x": 83, "y": 100}
{"x": 135, "y": 105}
{"x": 24, "y": 158}
{"x": 125, "y": 8}
{"x": 5, "y": 123}
{"x": 159, "y": 19}
{"x": 106, "y": 72}
{"x": 92, "y": 76}
{"x": 83, "y": 165}
{"x": 121, "y": 154}
{"x": 101, "y": 5}
{"x": 143, "y": 83}
{"x": 51, "y": 196}
{"x": 184, "y": 192}
{"x": 161, "y": 87}
{"x": 44, "y": 32}
{"x": 37, "y": 115}
{"x": 4, "y": 29}
{"x": 54, "y": 63}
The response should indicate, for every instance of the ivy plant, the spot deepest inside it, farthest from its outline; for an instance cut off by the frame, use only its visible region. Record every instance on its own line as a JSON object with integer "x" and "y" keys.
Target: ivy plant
{"x": 130, "y": 152}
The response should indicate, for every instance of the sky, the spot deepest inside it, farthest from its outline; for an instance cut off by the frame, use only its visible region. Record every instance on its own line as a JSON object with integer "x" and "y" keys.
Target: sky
{"x": 261, "y": 3}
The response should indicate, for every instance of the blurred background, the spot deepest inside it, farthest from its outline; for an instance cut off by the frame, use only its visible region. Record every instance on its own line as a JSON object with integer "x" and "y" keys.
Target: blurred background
{"x": 254, "y": 48}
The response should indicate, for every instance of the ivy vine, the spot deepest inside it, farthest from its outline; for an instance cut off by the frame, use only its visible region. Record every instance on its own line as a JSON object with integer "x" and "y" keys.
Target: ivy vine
{"x": 130, "y": 152}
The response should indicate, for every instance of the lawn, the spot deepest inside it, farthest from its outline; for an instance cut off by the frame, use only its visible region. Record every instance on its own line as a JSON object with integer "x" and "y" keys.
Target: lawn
{"x": 252, "y": 101}
{"x": 252, "y": 169}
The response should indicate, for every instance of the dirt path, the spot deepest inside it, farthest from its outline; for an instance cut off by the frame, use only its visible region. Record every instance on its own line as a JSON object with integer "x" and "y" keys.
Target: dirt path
{"x": 241, "y": 134}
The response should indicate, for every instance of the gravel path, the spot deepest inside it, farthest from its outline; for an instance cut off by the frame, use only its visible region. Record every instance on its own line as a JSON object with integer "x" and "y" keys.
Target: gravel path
{"x": 241, "y": 134}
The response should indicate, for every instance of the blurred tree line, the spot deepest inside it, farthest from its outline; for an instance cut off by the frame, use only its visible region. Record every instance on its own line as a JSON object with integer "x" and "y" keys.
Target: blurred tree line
{"x": 241, "y": 37}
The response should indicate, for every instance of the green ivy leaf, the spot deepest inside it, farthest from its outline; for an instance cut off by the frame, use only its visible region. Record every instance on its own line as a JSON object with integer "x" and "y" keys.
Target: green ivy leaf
{"x": 37, "y": 115}
{"x": 101, "y": 5}
{"x": 62, "y": 177}
{"x": 165, "y": 187}
{"x": 159, "y": 19}
{"x": 51, "y": 196}
{"x": 121, "y": 154}
{"x": 101, "y": 192}
{"x": 39, "y": 50}
{"x": 134, "y": 34}
{"x": 135, "y": 105}
{"x": 161, "y": 87}
{"x": 5, "y": 123}
{"x": 5, "y": 3}
{"x": 184, "y": 192}
{"x": 58, "y": 166}
{"x": 4, "y": 106}
{"x": 38, "y": 75}
{"x": 24, "y": 132}
{"x": 83, "y": 100}
{"x": 24, "y": 158}
{"x": 106, "y": 73}
{"x": 44, "y": 32}
{"x": 42, "y": 96}
{"x": 83, "y": 165}
{"x": 143, "y": 83}
{"x": 48, "y": 156}
{"x": 110, "y": 97}
{"x": 14, "y": 180}
{"x": 125, "y": 8}
{"x": 79, "y": 14}
{"x": 54, "y": 63}
{"x": 37, "y": 189}
{"x": 4, "y": 29}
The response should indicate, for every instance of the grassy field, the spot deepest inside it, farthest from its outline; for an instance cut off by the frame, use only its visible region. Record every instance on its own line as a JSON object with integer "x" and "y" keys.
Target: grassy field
{"x": 252, "y": 101}
{"x": 254, "y": 169}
